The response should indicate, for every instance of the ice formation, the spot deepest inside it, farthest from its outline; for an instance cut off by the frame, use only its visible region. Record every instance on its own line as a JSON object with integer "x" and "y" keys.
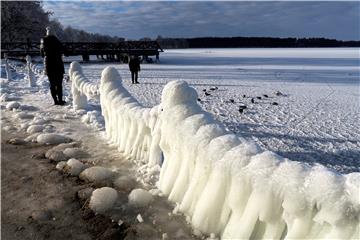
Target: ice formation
{"x": 225, "y": 184}
{"x": 140, "y": 197}
{"x": 124, "y": 183}
{"x": 30, "y": 73}
{"x": 24, "y": 115}
{"x": 129, "y": 125}
{"x": 96, "y": 174}
{"x": 35, "y": 128}
{"x": 103, "y": 199}
{"x": 8, "y": 70}
{"x": 74, "y": 152}
{"x": 52, "y": 138}
{"x": 74, "y": 167}
{"x": 12, "y": 105}
{"x": 61, "y": 165}
{"x": 81, "y": 88}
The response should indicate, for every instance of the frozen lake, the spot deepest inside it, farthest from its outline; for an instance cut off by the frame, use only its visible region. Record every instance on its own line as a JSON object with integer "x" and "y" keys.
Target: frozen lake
{"x": 316, "y": 119}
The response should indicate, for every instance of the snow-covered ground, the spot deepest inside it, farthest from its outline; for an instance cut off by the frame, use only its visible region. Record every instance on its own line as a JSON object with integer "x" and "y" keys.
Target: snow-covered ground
{"x": 317, "y": 116}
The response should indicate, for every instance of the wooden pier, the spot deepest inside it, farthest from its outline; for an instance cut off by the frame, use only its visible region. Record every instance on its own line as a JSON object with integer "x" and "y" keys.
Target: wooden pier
{"x": 108, "y": 51}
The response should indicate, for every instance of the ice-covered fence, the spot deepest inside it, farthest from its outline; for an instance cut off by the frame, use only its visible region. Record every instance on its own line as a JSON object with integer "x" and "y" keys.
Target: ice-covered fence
{"x": 227, "y": 186}
{"x": 81, "y": 88}
{"x": 36, "y": 69}
{"x": 129, "y": 125}
{"x": 30, "y": 73}
{"x": 8, "y": 69}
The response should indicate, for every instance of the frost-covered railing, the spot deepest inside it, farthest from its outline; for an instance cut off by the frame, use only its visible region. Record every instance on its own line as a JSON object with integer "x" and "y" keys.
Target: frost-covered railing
{"x": 225, "y": 184}
{"x": 30, "y": 71}
{"x": 81, "y": 88}
{"x": 128, "y": 124}
{"x": 7, "y": 69}
{"x": 34, "y": 67}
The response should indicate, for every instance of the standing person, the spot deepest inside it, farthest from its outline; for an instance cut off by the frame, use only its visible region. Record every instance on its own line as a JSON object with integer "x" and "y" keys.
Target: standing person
{"x": 51, "y": 50}
{"x": 134, "y": 66}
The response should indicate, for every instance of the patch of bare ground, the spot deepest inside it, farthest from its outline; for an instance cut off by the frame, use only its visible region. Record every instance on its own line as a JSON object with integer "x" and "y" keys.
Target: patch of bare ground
{"x": 38, "y": 202}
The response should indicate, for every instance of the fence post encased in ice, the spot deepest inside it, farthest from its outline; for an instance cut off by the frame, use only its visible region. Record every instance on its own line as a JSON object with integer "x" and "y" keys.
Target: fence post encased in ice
{"x": 81, "y": 88}
{"x": 30, "y": 73}
{"x": 7, "y": 69}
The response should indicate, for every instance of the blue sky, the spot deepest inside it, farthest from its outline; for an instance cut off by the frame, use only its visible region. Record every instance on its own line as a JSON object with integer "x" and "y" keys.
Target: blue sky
{"x": 134, "y": 20}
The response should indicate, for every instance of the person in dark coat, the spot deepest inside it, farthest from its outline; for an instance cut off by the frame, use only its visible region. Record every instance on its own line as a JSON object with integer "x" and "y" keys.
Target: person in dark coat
{"x": 51, "y": 50}
{"x": 134, "y": 66}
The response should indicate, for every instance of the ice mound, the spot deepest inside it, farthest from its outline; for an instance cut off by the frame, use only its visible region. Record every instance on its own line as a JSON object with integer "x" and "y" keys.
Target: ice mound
{"x": 124, "y": 183}
{"x": 49, "y": 129}
{"x": 9, "y": 128}
{"x": 16, "y": 141}
{"x": 74, "y": 167}
{"x": 28, "y": 108}
{"x": 51, "y": 138}
{"x": 56, "y": 153}
{"x": 103, "y": 199}
{"x": 12, "y": 105}
{"x": 38, "y": 121}
{"x": 61, "y": 165}
{"x": 35, "y": 129}
{"x": 74, "y": 153}
{"x": 32, "y": 137}
{"x": 24, "y": 115}
{"x": 56, "y": 156}
{"x": 352, "y": 185}
{"x": 96, "y": 174}
{"x": 4, "y": 97}
{"x": 140, "y": 197}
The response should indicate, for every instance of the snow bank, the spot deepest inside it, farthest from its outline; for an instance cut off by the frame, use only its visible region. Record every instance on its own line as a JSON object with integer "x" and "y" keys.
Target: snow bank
{"x": 81, "y": 88}
{"x": 103, "y": 199}
{"x": 225, "y": 184}
{"x": 140, "y": 197}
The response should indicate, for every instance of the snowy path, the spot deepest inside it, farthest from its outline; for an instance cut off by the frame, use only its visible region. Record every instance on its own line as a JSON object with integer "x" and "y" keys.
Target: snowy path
{"x": 316, "y": 121}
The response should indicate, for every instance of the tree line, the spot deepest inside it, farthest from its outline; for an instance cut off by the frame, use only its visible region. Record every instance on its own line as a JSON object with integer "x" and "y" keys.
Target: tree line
{"x": 23, "y": 21}
{"x": 249, "y": 42}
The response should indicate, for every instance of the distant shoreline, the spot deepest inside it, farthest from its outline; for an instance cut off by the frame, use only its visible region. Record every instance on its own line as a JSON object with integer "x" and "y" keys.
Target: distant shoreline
{"x": 253, "y": 42}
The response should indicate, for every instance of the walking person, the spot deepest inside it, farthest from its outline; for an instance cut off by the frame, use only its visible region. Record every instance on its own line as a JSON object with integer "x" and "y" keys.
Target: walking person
{"x": 134, "y": 66}
{"x": 51, "y": 50}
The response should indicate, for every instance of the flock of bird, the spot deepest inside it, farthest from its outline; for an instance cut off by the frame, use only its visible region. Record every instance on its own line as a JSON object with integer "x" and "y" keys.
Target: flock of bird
{"x": 242, "y": 107}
